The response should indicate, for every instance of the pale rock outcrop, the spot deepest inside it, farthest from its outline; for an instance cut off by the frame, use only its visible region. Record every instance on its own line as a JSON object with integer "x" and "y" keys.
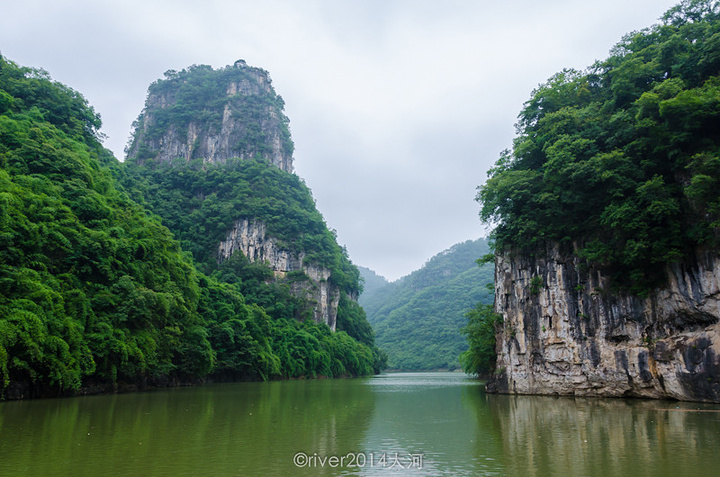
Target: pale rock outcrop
{"x": 564, "y": 333}
{"x": 234, "y": 136}
{"x": 250, "y": 237}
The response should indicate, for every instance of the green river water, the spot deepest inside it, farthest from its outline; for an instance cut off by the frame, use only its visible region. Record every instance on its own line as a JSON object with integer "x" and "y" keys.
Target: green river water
{"x": 392, "y": 424}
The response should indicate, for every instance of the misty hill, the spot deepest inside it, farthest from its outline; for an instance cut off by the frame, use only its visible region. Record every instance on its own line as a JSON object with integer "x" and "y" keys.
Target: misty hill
{"x": 417, "y": 319}
{"x": 372, "y": 282}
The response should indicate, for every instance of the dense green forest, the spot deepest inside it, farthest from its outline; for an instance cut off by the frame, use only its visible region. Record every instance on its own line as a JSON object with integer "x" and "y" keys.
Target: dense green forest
{"x": 621, "y": 162}
{"x": 95, "y": 291}
{"x": 200, "y": 203}
{"x": 418, "y": 318}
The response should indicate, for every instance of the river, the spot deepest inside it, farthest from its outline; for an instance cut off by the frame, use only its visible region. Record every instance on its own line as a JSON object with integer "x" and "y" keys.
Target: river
{"x": 392, "y": 424}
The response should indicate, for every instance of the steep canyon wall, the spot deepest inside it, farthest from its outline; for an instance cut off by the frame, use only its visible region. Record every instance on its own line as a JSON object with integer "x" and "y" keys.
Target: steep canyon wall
{"x": 249, "y": 237}
{"x": 564, "y": 332}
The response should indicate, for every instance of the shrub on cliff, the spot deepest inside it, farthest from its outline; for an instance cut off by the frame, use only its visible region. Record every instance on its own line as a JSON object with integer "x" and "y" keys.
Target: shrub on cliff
{"x": 480, "y": 332}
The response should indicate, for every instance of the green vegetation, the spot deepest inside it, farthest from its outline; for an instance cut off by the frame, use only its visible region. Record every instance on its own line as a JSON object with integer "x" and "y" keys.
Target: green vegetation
{"x": 200, "y": 203}
{"x": 417, "y": 319}
{"x": 480, "y": 332}
{"x": 623, "y": 160}
{"x": 200, "y": 96}
{"x": 536, "y": 284}
{"x": 95, "y": 291}
{"x": 90, "y": 285}
{"x": 371, "y": 281}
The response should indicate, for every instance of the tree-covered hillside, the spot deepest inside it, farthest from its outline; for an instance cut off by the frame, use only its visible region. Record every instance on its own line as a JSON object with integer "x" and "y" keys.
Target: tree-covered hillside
{"x": 95, "y": 292}
{"x": 418, "y": 318}
{"x": 201, "y": 198}
{"x": 200, "y": 203}
{"x": 621, "y": 162}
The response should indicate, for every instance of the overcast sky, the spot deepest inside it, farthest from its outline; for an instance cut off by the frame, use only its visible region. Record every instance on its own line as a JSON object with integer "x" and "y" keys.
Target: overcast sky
{"x": 397, "y": 107}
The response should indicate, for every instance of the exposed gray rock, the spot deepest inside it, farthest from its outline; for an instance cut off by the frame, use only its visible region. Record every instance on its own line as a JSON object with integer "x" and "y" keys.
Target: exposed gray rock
{"x": 250, "y": 238}
{"x": 564, "y": 333}
{"x": 252, "y": 124}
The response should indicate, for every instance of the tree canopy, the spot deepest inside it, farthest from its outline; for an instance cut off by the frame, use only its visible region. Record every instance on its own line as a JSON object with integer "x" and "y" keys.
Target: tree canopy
{"x": 621, "y": 161}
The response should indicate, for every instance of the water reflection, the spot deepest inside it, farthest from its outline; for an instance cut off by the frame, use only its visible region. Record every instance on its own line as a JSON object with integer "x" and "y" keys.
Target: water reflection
{"x": 235, "y": 429}
{"x": 446, "y": 418}
{"x": 442, "y": 416}
{"x": 565, "y": 436}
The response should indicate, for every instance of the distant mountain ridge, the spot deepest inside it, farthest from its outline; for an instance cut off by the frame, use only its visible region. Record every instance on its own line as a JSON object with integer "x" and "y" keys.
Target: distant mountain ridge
{"x": 417, "y": 318}
{"x": 372, "y": 282}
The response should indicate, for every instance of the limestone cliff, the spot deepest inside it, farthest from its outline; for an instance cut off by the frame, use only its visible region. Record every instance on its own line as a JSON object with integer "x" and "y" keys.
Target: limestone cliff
{"x": 195, "y": 124}
{"x": 240, "y": 116}
{"x": 250, "y": 238}
{"x": 564, "y": 333}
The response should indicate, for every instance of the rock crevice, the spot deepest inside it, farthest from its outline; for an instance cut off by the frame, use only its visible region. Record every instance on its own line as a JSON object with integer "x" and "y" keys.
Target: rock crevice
{"x": 565, "y": 333}
{"x": 251, "y": 239}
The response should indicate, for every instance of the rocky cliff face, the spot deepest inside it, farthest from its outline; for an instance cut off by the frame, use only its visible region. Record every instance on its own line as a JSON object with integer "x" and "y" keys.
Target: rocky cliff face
{"x": 564, "y": 333}
{"x": 202, "y": 115}
{"x": 240, "y": 118}
{"x": 249, "y": 237}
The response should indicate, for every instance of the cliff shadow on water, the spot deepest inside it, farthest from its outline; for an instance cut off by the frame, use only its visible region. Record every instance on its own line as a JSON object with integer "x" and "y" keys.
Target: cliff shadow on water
{"x": 543, "y": 435}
